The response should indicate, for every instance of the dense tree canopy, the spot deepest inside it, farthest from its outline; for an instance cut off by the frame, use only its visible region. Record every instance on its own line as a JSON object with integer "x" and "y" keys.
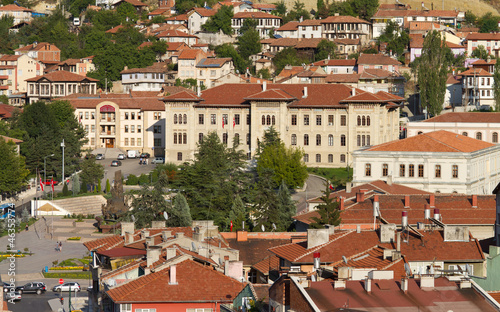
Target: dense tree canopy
{"x": 12, "y": 168}
{"x": 249, "y": 39}
{"x": 397, "y": 39}
{"x": 288, "y": 56}
{"x": 329, "y": 211}
{"x": 326, "y": 49}
{"x": 496, "y": 85}
{"x": 364, "y": 9}
{"x": 220, "y": 21}
{"x": 480, "y": 52}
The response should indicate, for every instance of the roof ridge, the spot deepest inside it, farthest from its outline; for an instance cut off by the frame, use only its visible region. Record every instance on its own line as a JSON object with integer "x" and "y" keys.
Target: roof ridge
{"x": 314, "y": 249}
{"x": 454, "y": 148}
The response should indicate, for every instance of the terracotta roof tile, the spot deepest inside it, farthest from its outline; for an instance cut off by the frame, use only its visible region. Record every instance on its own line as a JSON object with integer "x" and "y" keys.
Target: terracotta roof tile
{"x": 9, "y": 58}
{"x": 346, "y": 41}
{"x": 189, "y": 54}
{"x": 262, "y": 6}
{"x": 424, "y": 26}
{"x": 181, "y": 17}
{"x": 195, "y": 283}
{"x": 213, "y": 62}
{"x": 284, "y": 42}
{"x": 62, "y": 75}
{"x": 485, "y": 117}
{"x": 310, "y": 22}
{"x": 343, "y": 19}
{"x": 9, "y": 139}
{"x": 182, "y": 96}
{"x": 115, "y": 29}
{"x": 308, "y": 43}
{"x": 483, "y": 36}
{"x": 267, "y": 264}
{"x": 275, "y": 94}
{"x": 342, "y": 78}
{"x": 37, "y": 47}
{"x": 174, "y": 33}
{"x": 204, "y": 12}
{"x": 158, "y": 67}
{"x": 376, "y": 59}
{"x": 135, "y": 3}
{"x": 450, "y": 80}
{"x": 475, "y": 72}
{"x": 350, "y": 62}
{"x": 255, "y": 15}
{"x": 14, "y": 8}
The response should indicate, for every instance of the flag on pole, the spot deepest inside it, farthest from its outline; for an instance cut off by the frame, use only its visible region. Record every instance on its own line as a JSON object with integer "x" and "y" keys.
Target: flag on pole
{"x": 52, "y": 184}
{"x": 41, "y": 184}
{"x": 231, "y": 225}
{"x": 234, "y": 122}
{"x": 331, "y": 187}
{"x": 222, "y": 122}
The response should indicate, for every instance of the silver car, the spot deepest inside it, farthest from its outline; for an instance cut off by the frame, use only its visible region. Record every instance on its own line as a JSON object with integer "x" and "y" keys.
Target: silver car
{"x": 99, "y": 156}
{"x": 121, "y": 157}
{"x": 69, "y": 286}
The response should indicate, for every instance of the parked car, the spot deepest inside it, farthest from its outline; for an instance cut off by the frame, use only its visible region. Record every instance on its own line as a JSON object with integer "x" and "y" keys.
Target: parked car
{"x": 158, "y": 160}
{"x": 99, "y": 156}
{"x": 116, "y": 163}
{"x": 73, "y": 286}
{"x": 145, "y": 155}
{"x": 121, "y": 157}
{"x": 13, "y": 295}
{"x": 133, "y": 154}
{"x": 34, "y": 287}
{"x": 6, "y": 287}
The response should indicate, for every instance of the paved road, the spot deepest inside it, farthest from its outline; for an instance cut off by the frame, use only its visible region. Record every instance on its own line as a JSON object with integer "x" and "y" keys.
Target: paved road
{"x": 129, "y": 166}
{"x": 315, "y": 185}
{"x": 39, "y": 303}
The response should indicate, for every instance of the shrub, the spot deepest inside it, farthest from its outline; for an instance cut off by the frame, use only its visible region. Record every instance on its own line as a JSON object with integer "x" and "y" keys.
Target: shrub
{"x": 132, "y": 180}
{"x": 108, "y": 186}
{"x": 66, "y": 191}
{"x": 143, "y": 179}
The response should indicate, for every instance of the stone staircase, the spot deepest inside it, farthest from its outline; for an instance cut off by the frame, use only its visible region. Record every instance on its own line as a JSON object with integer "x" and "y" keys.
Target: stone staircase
{"x": 63, "y": 229}
{"x": 82, "y": 205}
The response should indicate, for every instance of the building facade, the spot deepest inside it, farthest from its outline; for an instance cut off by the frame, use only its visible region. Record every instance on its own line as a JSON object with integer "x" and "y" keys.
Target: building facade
{"x": 265, "y": 22}
{"x": 43, "y": 52}
{"x": 150, "y": 78}
{"x": 439, "y": 161}
{"x": 325, "y": 127}
{"x": 15, "y": 70}
{"x": 346, "y": 27}
{"x": 20, "y": 14}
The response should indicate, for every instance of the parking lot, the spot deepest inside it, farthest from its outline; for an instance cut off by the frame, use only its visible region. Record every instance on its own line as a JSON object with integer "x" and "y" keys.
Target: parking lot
{"x": 129, "y": 166}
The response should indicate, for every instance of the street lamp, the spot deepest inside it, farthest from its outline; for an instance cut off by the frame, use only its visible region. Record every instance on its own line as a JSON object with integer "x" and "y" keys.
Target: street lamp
{"x": 44, "y": 167}
{"x": 62, "y": 145}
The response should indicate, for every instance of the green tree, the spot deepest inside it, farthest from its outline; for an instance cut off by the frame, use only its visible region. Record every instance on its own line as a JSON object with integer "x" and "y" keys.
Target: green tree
{"x": 4, "y": 99}
{"x": 329, "y": 211}
{"x": 264, "y": 73}
{"x": 488, "y": 23}
{"x": 432, "y": 70}
{"x": 496, "y": 85}
{"x": 298, "y": 12}
{"x": 220, "y": 21}
{"x": 6, "y": 38}
{"x": 288, "y": 56}
{"x": 286, "y": 164}
{"x": 92, "y": 172}
{"x": 127, "y": 12}
{"x": 287, "y": 206}
{"x": 364, "y": 9}
{"x": 108, "y": 186}
{"x": 237, "y": 214}
{"x": 13, "y": 173}
{"x": 470, "y": 18}
{"x": 76, "y": 184}
{"x": 25, "y": 215}
{"x": 325, "y": 49}
{"x": 228, "y": 50}
{"x": 249, "y": 39}
{"x": 397, "y": 39}
{"x": 280, "y": 8}
{"x": 181, "y": 212}
{"x": 480, "y": 52}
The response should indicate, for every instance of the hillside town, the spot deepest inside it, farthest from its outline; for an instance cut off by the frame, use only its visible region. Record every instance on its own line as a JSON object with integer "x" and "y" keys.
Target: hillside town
{"x": 229, "y": 156}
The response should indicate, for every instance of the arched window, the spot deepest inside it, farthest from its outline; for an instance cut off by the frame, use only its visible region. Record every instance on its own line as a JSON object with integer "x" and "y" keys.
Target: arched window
{"x": 185, "y": 119}
{"x": 465, "y": 134}
{"x": 318, "y": 139}
{"x": 359, "y": 120}
{"x": 385, "y": 170}
{"x": 367, "y": 120}
{"x": 263, "y": 120}
{"x": 330, "y": 158}
{"x": 364, "y": 121}
{"x": 330, "y": 140}
{"x": 273, "y": 122}
{"x": 175, "y": 119}
{"x": 294, "y": 139}
{"x": 495, "y": 137}
{"x": 479, "y": 136}
{"x": 342, "y": 158}
{"x": 342, "y": 140}
{"x": 175, "y": 138}
{"x": 306, "y": 139}
{"x": 268, "y": 120}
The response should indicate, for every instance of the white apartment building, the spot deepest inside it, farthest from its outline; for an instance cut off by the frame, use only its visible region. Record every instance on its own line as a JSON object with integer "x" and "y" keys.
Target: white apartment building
{"x": 198, "y": 17}
{"x": 19, "y": 13}
{"x": 438, "y": 161}
{"x": 15, "y": 70}
{"x": 337, "y": 66}
{"x": 322, "y": 119}
{"x": 477, "y": 88}
{"x": 490, "y": 41}
{"x": 309, "y": 29}
{"x": 265, "y": 22}
{"x": 346, "y": 27}
{"x": 288, "y": 30}
{"x": 150, "y": 78}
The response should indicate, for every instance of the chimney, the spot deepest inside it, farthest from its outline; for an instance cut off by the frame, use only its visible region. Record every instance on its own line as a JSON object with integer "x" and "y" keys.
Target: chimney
{"x": 398, "y": 242}
{"x": 360, "y": 196}
{"x": 426, "y": 281}
{"x": 368, "y": 285}
{"x": 166, "y": 235}
{"x": 158, "y": 224}
{"x": 316, "y": 237}
{"x": 474, "y": 201}
{"x": 171, "y": 253}
{"x": 342, "y": 205}
{"x": 264, "y": 86}
{"x": 389, "y": 179}
{"x": 427, "y": 212}
{"x": 348, "y": 187}
{"x": 404, "y": 285}
{"x": 437, "y": 216}
{"x": 125, "y": 67}
{"x": 339, "y": 284}
{"x": 407, "y": 201}
{"x": 198, "y": 91}
{"x": 127, "y": 227}
{"x": 353, "y": 92}
{"x": 144, "y": 234}
{"x": 404, "y": 218}
{"x": 432, "y": 201}
{"x": 173, "y": 275}
{"x": 316, "y": 256}
{"x": 129, "y": 238}
{"x": 358, "y": 228}
{"x": 305, "y": 92}
{"x": 179, "y": 235}
{"x": 150, "y": 240}
{"x": 152, "y": 255}
{"x": 241, "y": 236}
{"x": 376, "y": 206}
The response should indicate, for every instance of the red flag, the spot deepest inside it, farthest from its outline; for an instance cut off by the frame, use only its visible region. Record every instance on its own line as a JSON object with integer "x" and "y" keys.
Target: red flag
{"x": 52, "y": 184}
{"x": 331, "y": 187}
{"x": 234, "y": 122}
{"x": 41, "y": 183}
{"x": 231, "y": 225}
{"x": 222, "y": 122}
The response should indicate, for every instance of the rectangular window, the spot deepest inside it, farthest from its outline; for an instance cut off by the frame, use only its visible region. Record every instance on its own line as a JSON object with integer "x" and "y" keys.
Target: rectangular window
{"x": 306, "y": 120}
{"x": 401, "y": 170}
{"x": 126, "y": 116}
{"x": 92, "y": 141}
{"x": 294, "y": 120}
{"x": 139, "y": 142}
{"x": 87, "y": 128}
{"x": 179, "y": 156}
{"x": 248, "y": 119}
{"x": 92, "y": 129}
{"x": 157, "y": 142}
{"x": 200, "y": 137}
{"x": 132, "y": 116}
{"x": 126, "y": 129}
{"x": 224, "y": 138}
{"x": 132, "y": 142}
{"x": 86, "y": 115}
{"x": 139, "y": 129}
{"x": 318, "y": 120}
{"x": 438, "y": 171}
{"x": 127, "y": 307}
{"x": 420, "y": 171}
{"x": 156, "y": 129}
{"x": 330, "y": 120}
{"x": 368, "y": 170}
{"x": 454, "y": 171}
{"x": 126, "y": 141}
{"x": 385, "y": 170}
{"x": 237, "y": 119}
{"x": 213, "y": 119}
{"x": 343, "y": 120}
{"x": 132, "y": 129}
{"x": 201, "y": 119}
{"x": 411, "y": 170}
{"x": 224, "y": 119}
{"x": 139, "y": 116}
{"x": 306, "y": 157}
{"x": 92, "y": 115}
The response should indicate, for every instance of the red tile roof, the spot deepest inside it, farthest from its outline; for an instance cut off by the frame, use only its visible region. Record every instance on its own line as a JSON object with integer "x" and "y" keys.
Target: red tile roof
{"x": 195, "y": 283}
{"x": 9, "y": 58}
{"x": 343, "y": 19}
{"x": 255, "y": 15}
{"x": 14, "y": 8}
{"x": 436, "y": 141}
{"x": 403, "y": 13}
{"x": 6, "y": 110}
{"x": 267, "y": 264}
{"x": 483, "y": 62}
{"x": 62, "y": 76}
{"x": 350, "y": 62}
{"x": 182, "y": 96}
{"x": 275, "y": 94}
{"x": 204, "y": 12}
{"x": 175, "y": 46}
{"x": 181, "y": 17}
{"x": 8, "y": 139}
{"x": 158, "y": 67}
{"x": 342, "y": 78}
{"x": 115, "y": 29}
{"x": 308, "y": 43}
{"x": 475, "y": 72}
{"x": 483, "y": 36}
{"x": 485, "y": 117}
{"x": 310, "y": 22}
{"x": 254, "y": 250}
{"x": 376, "y": 73}
{"x": 37, "y": 47}
{"x": 450, "y": 80}
{"x": 135, "y": 3}
{"x": 122, "y": 252}
{"x": 262, "y": 6}
{"x": 376, "y": 59}
{"x": 189, "y": 54}
{"x": 175, "y": 33}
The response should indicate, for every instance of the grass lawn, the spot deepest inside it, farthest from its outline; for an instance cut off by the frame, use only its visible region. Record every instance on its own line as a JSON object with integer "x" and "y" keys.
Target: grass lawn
{"x": 333, "y": 174}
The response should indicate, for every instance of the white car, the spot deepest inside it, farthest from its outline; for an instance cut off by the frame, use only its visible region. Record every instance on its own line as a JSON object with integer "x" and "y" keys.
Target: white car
{"x": 66, "y": 287}
{"x": 99, "y": 156}
{"x": 121, "y": 157}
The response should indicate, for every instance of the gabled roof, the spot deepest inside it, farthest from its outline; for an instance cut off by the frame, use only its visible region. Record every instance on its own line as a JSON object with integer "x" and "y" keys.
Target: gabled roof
{"x": 274, "y": 94}
{"x": 342, "y": 78}
{"x": 182, "y": 96}
{"x": 270, "y": 263}
{"x": 6, "y": 110}
{"x": 9, "y": 58}
{"x": 203, "y": 12}
{"x": 376, "y": 73}
{"x": 115, "y": 29}
{"x": 343, "y": 19}
{"x": 450, "y": 80}
{"x": 349, "y": 62}
{"x": 264, "y": 6}
{"x": 195, "y": 283}
{"x": 437, "y": 141}
{"x": 135, "y": 3}
{"x": 379, "y": 97}
{"x": 175, "y": 33}
{"x": 483, "y": 62}
{"x": 376, "y": 59}
{"x": 158, "y": 67}
{"x": 189, "y": 54}
{"x": 475, "y": 72}
{"x": 14, "y": 8}
{"x": 37, "y": 47}
{"x": 255, "y": 15}
{"x": 213, "y": 62}
{"x": 8, "y": 139}
{"x": 62, "y": 76}
{"x": 473, "y": 117}
{"x": 175, "y": 46}
{"x": 310, "y": 22}
{"x": 180, "y": 17}
{"x": 255, "y": 250}
{"x": 483, "y": 36}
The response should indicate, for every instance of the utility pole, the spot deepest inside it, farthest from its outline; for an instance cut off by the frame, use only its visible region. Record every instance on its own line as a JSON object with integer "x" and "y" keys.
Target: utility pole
{"x": 62, "y": 145}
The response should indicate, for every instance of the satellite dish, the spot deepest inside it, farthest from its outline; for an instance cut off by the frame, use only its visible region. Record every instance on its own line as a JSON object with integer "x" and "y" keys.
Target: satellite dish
{"x": 133, "y": 218}
{"x": 193, "y": 246}
{"x": 407, "y": 269}
{"x": 274, "y": 226}
{"x": 345, "y": 259}
{"x": 263, "y": 228}
{"x": 165, "y": 215}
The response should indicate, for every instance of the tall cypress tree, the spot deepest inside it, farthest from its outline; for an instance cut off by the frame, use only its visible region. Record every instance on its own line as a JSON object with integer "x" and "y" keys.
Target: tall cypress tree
{"x": 496, "y": 85}
{"x": 181, "y": 211}
{"x": 329, "y": 211}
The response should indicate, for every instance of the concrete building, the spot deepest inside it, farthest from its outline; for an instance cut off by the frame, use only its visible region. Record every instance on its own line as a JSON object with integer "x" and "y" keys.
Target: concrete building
{"x": 265, "y": 22}
{"x": 490, "y": 41}
{"x": 150, "y": 78}
{"x": 44, "y": 52}
{"x": 15, "y": 70}
{"x": 477, "y": 88}
{"x": 210, "y": 69}
{"x": 198, "y": 17}
{"x": 309, "y": 29}
{"x": 337, "y": 66}
{"x": 346, "y": 27}
{"x": 325, "y": 127}
{"x": 439, "y": 161}
{"x": 20, "y": 14}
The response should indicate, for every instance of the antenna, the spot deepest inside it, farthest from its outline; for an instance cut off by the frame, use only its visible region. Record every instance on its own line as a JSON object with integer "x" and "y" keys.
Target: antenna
{"x": 345, "y": 259}
{"x": 165, "y": 215}
{"x": 263, "y": 228}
